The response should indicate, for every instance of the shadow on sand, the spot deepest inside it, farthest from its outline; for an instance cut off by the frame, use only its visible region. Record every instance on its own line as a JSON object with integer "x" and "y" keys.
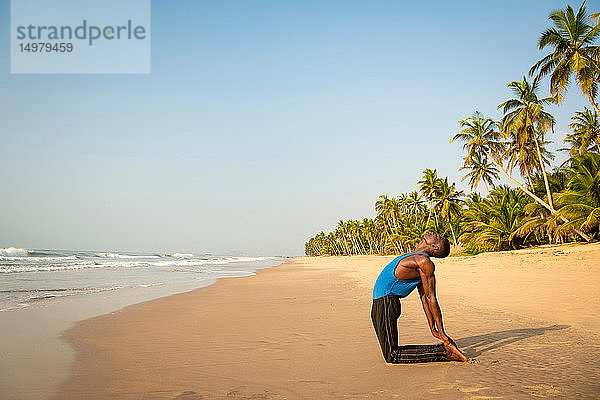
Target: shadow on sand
{"x": 474, "y": 346}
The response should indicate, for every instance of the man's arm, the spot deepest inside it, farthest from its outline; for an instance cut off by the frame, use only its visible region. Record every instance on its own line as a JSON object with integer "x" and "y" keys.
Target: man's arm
{"x": 429, "y": 300}
{"x": 427, "y": 311}
{"x": 432, "y": 309}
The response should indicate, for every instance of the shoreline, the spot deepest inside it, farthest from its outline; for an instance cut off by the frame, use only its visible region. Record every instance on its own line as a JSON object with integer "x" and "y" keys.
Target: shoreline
{"x": 36, "y": 359}
{"x": 303, "y": 331}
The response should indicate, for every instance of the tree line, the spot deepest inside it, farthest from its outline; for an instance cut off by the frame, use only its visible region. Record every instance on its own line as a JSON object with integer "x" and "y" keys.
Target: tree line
{"x": 557, "y": 206}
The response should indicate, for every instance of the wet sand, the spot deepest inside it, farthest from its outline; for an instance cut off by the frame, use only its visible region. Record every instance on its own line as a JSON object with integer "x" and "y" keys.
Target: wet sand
{"x": 303, "y": 331}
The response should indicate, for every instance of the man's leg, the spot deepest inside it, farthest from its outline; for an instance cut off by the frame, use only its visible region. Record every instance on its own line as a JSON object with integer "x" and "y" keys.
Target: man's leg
{"x": 418, "y": 353}
{"x": 384, "y": 314}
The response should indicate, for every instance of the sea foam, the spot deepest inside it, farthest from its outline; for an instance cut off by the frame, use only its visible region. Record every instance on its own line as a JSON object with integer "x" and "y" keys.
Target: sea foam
{"x": 13, "y": 252}
{"x": 33, "y": 276}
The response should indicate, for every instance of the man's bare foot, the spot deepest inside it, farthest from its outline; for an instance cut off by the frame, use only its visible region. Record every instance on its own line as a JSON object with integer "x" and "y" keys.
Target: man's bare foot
{"x": 453, "y": 353}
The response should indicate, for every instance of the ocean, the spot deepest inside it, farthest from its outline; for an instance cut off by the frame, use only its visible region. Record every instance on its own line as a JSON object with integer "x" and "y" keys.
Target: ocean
{"x": 45, "y": 292}
{"x": 30, "y": 277}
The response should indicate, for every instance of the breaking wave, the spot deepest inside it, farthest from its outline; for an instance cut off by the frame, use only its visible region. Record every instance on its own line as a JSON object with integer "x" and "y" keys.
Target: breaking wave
{"x": 30, "y": 277}
{"x": 14, "y": 252}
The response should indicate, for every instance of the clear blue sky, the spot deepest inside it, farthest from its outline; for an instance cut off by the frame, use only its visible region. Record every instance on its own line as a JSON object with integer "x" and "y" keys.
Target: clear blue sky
{"x": 261, "y": 123}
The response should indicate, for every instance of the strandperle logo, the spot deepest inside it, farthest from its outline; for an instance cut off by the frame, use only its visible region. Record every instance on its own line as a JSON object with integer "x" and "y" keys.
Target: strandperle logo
{"x": 85, "y": 31}
{"x": 80, "y": 36}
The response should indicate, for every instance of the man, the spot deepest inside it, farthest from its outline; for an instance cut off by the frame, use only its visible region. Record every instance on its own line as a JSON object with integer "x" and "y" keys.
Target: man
{"x": 397, "y": 280}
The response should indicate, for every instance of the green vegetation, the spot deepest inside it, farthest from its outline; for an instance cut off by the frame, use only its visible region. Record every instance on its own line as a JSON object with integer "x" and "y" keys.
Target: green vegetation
{"x": 547, "y": 207}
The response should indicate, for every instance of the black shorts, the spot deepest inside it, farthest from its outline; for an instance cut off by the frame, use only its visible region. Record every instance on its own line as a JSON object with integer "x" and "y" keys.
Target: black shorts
{"x": 384, "y": 314}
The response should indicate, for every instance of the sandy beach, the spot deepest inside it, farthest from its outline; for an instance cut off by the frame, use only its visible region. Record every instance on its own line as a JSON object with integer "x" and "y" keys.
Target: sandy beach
{"x": 303, "y": 331}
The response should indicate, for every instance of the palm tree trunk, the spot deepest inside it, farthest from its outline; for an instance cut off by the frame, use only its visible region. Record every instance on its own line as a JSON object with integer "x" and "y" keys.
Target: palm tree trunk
{"x": 355, "y": 247}
{"x": 544, "y": 173}
{"x": 589, "y": 96}
{"x": 339, "y": 248}
{"x": 430, "y": 211}
{"x": 452, "y": 230}
{"x": 390, "y": 236}
{"x": 362, "y": 246}
{"x": 356, "y": 244}
{"x": 345, "y": 241}
{"x": 529, "y": 179}
{"x": 390, "y": 239}
{"x": 537, "y": 199}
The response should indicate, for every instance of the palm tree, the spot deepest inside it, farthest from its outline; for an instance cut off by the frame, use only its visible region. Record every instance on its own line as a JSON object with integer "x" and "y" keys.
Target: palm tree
{"x": 582, "y": 198}
{"x": 448, "y": 202}
{"x": 342, "y": 227}
{"x": 384, "y": 210}
{"x": 402, "y": 205}
{"x": 572, "y": 38}
{"x": 413, "y": 232}
{"x": 474, "y": 207}
{"x": 586, "y": 132}
{"x": 480, "y": 137}
{"x": 355, "y": 235}
{"x": 393, "y": 210}
{"x": 369, "y": 232}
{"x": 494, "y": 223}
{"x": 413, "y": 202}
{"x": 336, "y": 243}
{"x": 395, "y": 207}
{"x": 480, "y": 171}
{"x": 525, "y": 155}
{"x": 428, "y": 188}
{"x": 557, "y": 181}
{"x": 341, "y": 239}
{"x": 539, "y": 223}
{"x": 525, "y": 119}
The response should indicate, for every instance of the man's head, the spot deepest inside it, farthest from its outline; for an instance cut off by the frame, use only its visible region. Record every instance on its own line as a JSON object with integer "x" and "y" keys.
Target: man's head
{"x": 435, "y": 245}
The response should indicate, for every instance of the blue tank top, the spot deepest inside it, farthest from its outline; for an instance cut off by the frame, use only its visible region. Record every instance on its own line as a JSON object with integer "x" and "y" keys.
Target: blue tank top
{"x": 387, "y": 283}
